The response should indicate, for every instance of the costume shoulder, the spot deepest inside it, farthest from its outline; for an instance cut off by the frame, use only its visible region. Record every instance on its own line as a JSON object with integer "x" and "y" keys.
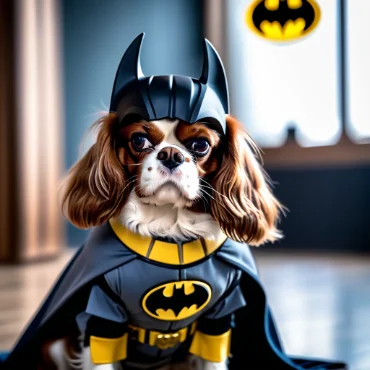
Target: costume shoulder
{"x": 101, "y": 253}
{"x": 255, "y": 341}
{"x": 238, "y": 255}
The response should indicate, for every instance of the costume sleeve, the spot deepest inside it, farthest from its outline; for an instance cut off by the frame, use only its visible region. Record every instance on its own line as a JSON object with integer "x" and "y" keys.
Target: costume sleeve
{"x": 104, "y": 324}
{"x": 212, "y": 337}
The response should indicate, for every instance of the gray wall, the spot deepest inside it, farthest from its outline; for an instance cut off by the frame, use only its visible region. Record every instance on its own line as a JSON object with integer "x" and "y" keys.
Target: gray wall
{"x": 97, "y": 32}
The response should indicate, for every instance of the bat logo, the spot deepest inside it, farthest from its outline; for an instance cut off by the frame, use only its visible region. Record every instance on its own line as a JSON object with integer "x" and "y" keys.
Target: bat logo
{"x": 176, "y": 300}
{"x": 283, "y": 20}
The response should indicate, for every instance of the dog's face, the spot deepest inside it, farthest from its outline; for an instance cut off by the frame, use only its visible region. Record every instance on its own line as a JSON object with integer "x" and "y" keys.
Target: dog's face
{"x": 172, "y": 162}
{"x": 169, "y": 159}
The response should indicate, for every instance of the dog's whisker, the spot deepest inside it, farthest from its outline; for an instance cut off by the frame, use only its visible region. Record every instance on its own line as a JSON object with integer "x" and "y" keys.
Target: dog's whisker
{"x": 204, "y": 198}
{"x": 211, "y": 187}
{"x": 205, "y": 203}
{"x": 214, "y": 199}
{"x": 119, "y": 198}
{"x": 132, "y": 180}
{"x": 132, "y": 190}
{"x": 203, "y": 190}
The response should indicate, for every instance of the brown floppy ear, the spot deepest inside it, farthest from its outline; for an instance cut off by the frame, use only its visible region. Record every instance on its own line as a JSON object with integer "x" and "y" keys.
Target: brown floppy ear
{"x": 243, "y": 204}
{"x": 95, "y": 188}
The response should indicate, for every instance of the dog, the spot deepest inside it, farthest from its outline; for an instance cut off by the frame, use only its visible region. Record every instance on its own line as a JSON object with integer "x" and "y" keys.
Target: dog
{"x": 173, "y": 191}
{"x": 168, "y": 179}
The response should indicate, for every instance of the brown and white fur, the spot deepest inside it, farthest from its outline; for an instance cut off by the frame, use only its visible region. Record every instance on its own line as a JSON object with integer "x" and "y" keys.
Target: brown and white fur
{"x": 217, "y": 186}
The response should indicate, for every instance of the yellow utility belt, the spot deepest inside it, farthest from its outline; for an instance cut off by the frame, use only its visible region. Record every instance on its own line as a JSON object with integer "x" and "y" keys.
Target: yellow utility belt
{"x": 162, "y": 340}
{"x": 215, "y": 348}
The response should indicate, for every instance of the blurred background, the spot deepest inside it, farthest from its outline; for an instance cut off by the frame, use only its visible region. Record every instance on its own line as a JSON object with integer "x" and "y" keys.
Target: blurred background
{"x": 306, "y": 103}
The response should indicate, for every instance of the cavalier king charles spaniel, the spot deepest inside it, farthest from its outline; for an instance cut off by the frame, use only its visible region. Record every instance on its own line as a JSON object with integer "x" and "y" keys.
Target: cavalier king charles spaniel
{"x": 172, "y": 179}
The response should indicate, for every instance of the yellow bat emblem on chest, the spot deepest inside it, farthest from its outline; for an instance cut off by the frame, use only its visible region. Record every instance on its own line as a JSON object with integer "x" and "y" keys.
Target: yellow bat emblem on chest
{"x": 176, "y": 300}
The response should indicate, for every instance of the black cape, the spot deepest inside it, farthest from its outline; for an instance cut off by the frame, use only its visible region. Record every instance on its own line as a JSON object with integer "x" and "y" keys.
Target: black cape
{"x": 255, "y": 343}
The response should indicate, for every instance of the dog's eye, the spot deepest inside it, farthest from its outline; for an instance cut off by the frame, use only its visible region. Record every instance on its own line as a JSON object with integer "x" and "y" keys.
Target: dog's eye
{"x": 200, "y": 146}
{"x": 140, "y": 142}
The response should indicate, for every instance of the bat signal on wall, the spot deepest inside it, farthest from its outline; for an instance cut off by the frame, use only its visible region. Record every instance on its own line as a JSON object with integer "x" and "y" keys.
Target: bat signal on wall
{"x": 176, "y": 300}
{"x": 283, "y": 20}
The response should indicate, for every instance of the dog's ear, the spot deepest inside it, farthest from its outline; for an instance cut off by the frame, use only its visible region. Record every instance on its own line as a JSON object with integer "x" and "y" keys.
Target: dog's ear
{"x": 95, "y": 187}
{"x": 243, "y": 203}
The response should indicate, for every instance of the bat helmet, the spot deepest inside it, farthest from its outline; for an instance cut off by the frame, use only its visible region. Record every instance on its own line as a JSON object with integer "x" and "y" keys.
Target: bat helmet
{"x": 178, "y": 97}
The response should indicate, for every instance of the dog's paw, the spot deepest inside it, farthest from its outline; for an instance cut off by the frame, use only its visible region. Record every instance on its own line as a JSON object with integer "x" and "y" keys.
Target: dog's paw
{"x": 215, "y": 365}
{"x": 197, "y": 363}
{"x": 107, "y": 367}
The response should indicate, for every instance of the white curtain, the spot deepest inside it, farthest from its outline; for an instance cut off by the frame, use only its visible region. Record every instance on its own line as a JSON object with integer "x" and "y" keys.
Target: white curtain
{"x": 276, "y": 86}
{"x": 358, "y": 83}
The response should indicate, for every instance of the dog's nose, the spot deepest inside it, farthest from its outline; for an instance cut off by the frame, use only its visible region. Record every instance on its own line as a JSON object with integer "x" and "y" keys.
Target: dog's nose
{"x": 170, "y": 157}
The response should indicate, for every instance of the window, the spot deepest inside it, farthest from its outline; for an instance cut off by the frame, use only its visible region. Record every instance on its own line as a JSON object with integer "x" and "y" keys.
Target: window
{"x": 358, "y": 63}
{"x": 278, "y": 86}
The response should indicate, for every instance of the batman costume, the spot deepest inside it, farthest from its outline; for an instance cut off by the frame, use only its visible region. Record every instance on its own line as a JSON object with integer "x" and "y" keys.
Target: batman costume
{"x": 145, "y": 302}
{"x": 119, "y": 256}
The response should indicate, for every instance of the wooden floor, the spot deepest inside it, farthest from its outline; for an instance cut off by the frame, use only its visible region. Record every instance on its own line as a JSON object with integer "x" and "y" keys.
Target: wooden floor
{"x": 321, "y": 304}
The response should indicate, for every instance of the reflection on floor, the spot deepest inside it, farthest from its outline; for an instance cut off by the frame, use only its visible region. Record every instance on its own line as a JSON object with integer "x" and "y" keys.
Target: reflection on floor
{"x": 321, "y": 304}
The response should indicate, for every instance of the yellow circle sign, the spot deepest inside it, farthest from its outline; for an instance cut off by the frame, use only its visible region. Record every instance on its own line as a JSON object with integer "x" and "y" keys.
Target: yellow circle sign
{"x": 176, "y": 300}
{"x": 283, "y": 20}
